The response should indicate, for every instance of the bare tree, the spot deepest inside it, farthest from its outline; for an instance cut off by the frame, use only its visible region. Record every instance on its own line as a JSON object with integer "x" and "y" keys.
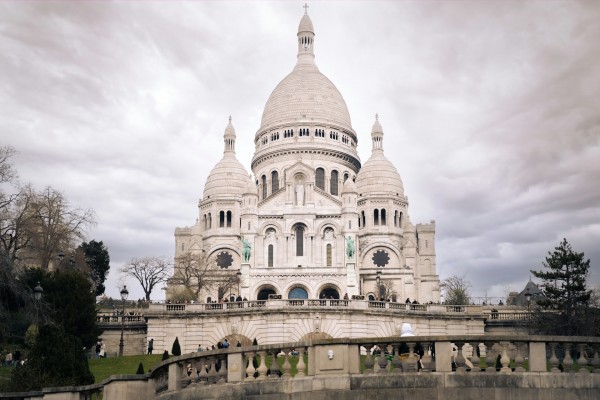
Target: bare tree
{"x": 386, "y": 290}
{"x": 148, "y": 271}
{"x": 194, "y": 272}
{"x": 227, "y": 280}
{"x": 7, "y": 171}
{"x": 197, "y": 272}
{"x": 56, "y": 227}
{"x": 456, "y": 290}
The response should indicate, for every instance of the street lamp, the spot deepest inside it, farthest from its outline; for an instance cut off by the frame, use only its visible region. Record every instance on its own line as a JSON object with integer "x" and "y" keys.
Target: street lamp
{"x": 124, "y": 294}
{"x": 37, "y": 294}
{"x": 528, "y": 298}
{"x": 378, "y": 279}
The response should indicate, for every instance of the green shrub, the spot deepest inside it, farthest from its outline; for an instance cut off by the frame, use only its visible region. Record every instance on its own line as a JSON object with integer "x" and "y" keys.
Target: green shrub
{"x": 176, "y": 349}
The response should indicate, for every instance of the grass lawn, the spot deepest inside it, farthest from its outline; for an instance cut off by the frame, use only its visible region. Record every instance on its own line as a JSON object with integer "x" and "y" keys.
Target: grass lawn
{"x": 102, "y": 368}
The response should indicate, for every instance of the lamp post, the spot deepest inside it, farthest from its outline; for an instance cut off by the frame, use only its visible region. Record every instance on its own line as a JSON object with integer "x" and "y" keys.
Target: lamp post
{"x": 37, "y": 294}
{"x": 528, "y": 298}
{"x": 378, "y": 279}
{"x": 124, "y": 294}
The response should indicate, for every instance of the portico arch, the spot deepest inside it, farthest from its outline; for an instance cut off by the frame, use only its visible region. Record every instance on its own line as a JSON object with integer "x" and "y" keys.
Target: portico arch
{"x": 329, "y": 291}
{"x": 264, "y": 291}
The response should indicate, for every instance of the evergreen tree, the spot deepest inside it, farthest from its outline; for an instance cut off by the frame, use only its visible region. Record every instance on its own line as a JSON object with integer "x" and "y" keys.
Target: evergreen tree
{"x": 140, "y": 370}
{"x": 68, "y": 301}
{"x": 176, "y": 349}
{"x": 56, "y": 359}
{"x": 98, "y": 260}
{"x": 565, "y": 298}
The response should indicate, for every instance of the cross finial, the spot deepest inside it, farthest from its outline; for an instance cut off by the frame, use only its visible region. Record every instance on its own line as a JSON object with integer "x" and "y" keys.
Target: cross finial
{"x": 376, "y": 117}
{"x": 230, "y": 119}
{"x": 305, "y": 8}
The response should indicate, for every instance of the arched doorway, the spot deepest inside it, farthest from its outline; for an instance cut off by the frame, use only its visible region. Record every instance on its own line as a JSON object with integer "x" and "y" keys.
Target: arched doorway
{"x": 329, "y": 293}
{"x": 298, "y": 293}
{"x": 264, "y": 292}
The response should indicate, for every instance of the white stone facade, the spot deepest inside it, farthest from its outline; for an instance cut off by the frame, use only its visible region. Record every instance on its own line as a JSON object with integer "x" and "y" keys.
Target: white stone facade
{"x": 320, "y": 224}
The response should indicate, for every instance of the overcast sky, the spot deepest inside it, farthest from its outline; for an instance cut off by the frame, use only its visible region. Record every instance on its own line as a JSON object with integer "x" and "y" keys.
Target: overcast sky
{"x": 491, "y": 114}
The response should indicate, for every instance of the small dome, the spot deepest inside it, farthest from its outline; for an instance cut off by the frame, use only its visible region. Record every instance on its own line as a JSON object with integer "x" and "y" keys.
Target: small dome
{"x": 376, "y": 129}
{"x": 251, "y": 186}
{"x": 305, "y": 24}
{"x": 349, "y": 186}
{"x": 378, "y": 175}
{"x": 227, "y": 178}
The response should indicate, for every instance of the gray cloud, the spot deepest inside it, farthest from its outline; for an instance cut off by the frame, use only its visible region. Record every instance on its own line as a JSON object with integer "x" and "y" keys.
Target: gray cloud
{"x": 489, "y": 111}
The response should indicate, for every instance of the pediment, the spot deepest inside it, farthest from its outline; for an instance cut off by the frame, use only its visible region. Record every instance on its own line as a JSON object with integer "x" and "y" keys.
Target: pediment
{"x": 323, "y": 199}
{"x": 195, "y": 247}
{"x": 299, "y": 168}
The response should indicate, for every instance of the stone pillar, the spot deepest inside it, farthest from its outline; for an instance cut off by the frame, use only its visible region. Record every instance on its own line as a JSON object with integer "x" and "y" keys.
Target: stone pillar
{"x": 443, "y": 356}
{"x": 236, "y": 371}
{"x": 174, "y": 376}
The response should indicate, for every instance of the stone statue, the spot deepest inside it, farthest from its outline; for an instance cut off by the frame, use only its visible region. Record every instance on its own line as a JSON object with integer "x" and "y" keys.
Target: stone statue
{"x": 350, "y": 247}
{"x": 300, "y": 194}
{"x": 246, "y": 250}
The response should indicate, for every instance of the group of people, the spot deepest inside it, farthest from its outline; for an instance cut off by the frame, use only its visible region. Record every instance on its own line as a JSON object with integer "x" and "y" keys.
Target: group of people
{"x": 100, "y": 349}
{"x": 12, "y": 359}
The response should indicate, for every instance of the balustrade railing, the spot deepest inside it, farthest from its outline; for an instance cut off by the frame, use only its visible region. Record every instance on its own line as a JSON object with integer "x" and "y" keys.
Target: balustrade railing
{"x": 392, "y": 355}
{"x": 357, "y": 304}
{"x": 483, "y": 355}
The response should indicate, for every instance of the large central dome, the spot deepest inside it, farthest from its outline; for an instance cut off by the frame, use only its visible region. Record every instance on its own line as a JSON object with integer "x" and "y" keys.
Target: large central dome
{"x": 306, "y": 95}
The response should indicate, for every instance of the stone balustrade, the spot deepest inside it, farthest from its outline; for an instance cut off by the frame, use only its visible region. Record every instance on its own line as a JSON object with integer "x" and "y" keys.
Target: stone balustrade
{"x": 521, "y": 366}
{"x": 312, "y": 303}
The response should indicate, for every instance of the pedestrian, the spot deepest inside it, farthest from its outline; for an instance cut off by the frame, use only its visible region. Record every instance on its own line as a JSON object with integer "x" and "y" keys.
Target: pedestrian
{"x": 8, "y": 359}
{"x": 225, "y": 344}
{"x": 102, "y": 353}
{"x": 199, "y": 348}
{"x": 150, "y": 346}
{"x": 238, "y": 344}
{"x": 98, "y": 345}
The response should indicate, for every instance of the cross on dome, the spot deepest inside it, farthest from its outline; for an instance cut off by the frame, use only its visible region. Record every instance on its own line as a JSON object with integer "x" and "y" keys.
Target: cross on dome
{"x": 305, "y": 9}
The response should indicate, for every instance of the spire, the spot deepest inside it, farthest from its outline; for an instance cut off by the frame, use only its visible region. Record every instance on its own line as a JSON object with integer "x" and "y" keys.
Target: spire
{"x": 377, "y": 135}
{"x": 229, "y": 138}
{"x": 306, "y": 40}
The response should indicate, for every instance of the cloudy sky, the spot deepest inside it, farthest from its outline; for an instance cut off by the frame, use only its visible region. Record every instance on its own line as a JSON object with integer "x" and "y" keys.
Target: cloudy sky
{"x": 491, "y": 113}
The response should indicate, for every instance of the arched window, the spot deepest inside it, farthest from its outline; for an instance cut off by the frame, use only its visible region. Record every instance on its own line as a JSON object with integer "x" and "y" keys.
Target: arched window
{"x": 376, "y": 217}
{"x": 264, "y": 187}
{"x": 221, "y": 219}
{"x": 400, "y": 219}
{"x": 205, "y": 220}
{"x": 383, "y": 217}
{"x": 298, "y": 293}
{"x": 270, "y": 256}
{"x": 229, "y": 219}
{"x": 359, "y": 225}
{"x": 320, "y": 178}
{"x": 333, "y": 184}
{"x": 363, "y": 218}
{"x": 328, "y": 256}
{"x": 274, "y": 181}
{"x": 209, "y": 221}
{"x": 346, "y": 176}
{"x": 396, "y": 218}
{"x": 299, "y": 241}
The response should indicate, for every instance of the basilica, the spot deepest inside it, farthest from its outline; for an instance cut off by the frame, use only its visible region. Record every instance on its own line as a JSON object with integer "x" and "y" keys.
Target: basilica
{"x": 311, "y": 221}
